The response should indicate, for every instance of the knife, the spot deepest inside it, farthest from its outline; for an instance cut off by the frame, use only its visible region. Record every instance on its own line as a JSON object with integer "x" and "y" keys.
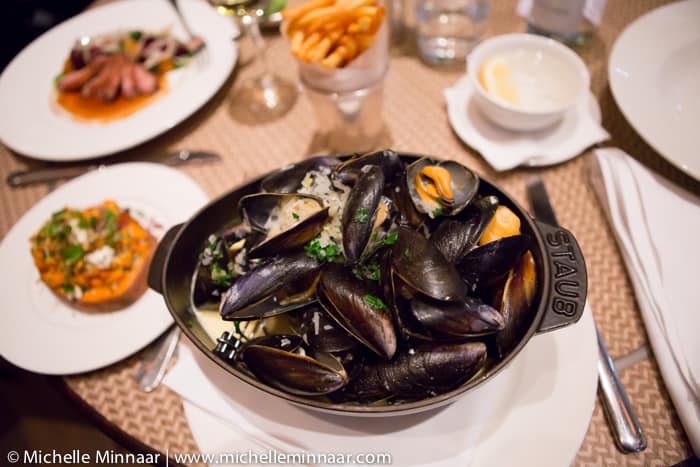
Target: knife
{"x": 624, "y": 424}
{"x": 51, "y": 174}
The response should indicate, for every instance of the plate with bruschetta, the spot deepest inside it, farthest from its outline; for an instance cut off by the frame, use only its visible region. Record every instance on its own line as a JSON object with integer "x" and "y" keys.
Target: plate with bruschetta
{"x": 74, "y": 270}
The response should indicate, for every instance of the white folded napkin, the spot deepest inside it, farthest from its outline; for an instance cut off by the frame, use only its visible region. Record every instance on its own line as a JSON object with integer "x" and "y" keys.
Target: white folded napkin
{"x": 439, "y": 438}
{"x": 505, "y": 149}
{"x": 657, "y": 225}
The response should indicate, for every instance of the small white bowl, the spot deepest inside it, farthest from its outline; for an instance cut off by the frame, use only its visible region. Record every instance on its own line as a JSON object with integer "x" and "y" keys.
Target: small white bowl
{"x": 557, "y": 66}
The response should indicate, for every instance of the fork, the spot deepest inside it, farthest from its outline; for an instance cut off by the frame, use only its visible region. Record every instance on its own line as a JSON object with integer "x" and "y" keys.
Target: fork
{"x": 195, "y": 42}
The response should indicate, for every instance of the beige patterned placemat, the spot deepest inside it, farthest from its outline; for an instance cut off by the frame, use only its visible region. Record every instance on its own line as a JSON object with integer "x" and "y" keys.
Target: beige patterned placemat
{"x": 417, "y": 122}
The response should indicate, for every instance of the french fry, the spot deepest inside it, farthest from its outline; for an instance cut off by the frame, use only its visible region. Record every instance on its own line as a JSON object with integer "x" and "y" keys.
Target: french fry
{"x": 350, "y": 45}
{"x": 333, "y": 60}
{"x": 332, "y": 32}
{"x": 290, "y": 14}
{"x": 297, "y": 42}
{"x": 319, "y": 52}
{"x": 309, "y": 43}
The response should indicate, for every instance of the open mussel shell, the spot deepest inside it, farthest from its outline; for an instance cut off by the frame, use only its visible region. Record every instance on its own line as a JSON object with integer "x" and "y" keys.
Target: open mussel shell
{"x": 424, "y": 371}
{"x": 272, "y": 287}
{"x": 323, "y": 334}
{"x": 463, "y": 186}
{"x": 289, "y": 178}
{"x": 487, "y": 264}
{"x": 455, "y": 238}
{"x": 461, "y": 318}
{"x": 349, "y": 171}
{"x": 357, "y": 309}
{"x": 361, "y": 211}
{"x": 420, "y": 265}
{"x": 294, "y": 373}
{"x": 289, "y": 220}
{"x": 516, "y": 303}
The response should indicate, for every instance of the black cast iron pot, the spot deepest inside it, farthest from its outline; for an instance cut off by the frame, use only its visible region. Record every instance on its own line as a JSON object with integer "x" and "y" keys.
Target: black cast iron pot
{"x": 560, "y": 298}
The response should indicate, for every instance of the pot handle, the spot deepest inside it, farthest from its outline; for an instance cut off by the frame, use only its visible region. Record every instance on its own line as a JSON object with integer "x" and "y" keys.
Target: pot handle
{"x": 568, "y": 282}
{"x": 155, "y": 271}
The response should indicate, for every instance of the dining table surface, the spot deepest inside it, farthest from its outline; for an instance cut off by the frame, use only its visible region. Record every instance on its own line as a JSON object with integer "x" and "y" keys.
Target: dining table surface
{"x": 416, "y": 121}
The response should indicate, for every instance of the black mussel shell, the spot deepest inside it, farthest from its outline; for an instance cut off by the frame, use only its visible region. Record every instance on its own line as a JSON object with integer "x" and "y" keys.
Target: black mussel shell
{"x": 487, "y": 264}
{"x": 456, "y": 238}
{"x": 357, "y": 308}
{"x": 349, "y": 171}
{"x": 323, "y": 334}
{"x": 461, "y": 318}
{"x": 257, "y": 209}
{"x": 294, "y": 373}
{"x": 425, "y": 371}
{"x": 417, "y": 262}
{"x": 360, "y": 211}
{"x": 407, "y": 212}
{"x": 288, "y": 179}
{"x": 258, "y": 286}
{"x": 516, "y": 303}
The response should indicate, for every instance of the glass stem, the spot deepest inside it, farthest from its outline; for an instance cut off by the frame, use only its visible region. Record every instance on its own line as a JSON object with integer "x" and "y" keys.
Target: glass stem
{"x": 252, "y": 28}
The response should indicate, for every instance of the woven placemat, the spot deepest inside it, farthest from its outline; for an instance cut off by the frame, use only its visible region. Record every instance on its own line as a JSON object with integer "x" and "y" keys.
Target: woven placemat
{"x": 417, "y": 122}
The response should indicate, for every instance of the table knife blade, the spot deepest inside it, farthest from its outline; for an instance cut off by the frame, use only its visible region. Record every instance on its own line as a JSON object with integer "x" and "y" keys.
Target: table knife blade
{"x": 52, "y": 174}
{"x": 623, "y": 422}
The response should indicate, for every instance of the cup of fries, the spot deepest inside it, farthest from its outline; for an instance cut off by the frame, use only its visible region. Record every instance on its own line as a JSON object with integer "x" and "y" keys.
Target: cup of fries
{"x": 342, "y": 49}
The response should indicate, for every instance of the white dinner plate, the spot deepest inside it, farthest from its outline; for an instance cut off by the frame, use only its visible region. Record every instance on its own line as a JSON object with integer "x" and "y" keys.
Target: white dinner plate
{"x": 34, "y": 125}
{"x": 534, "y": 413}
{"x": 39, "y": 332}
{"x": 654, "y": 73}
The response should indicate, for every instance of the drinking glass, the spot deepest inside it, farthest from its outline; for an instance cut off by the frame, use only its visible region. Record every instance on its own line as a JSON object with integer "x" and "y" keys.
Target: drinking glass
{"x": 449, "y": 29}
{"x": 267, "y": 96}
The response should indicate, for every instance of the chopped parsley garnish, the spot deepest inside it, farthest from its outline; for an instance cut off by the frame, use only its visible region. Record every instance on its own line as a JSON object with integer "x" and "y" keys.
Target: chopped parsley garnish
{"x": 110, "y": 227}
{"x": 67, "y": 288}
{"x": 391, "y": 238}
{"x": 135, "y": 35}
{"x": 295, "y": 216}
{"x": 220, "y": 276}
{"x": 72, "y": 253}
{"x": 437, "y": 212}
{"x": 327, "y": 253}
{"x": 407, "y": 253}
{"x": 371, "y": 271}
{"x": 374, "y": 302}
{"x": 361, "y": 216}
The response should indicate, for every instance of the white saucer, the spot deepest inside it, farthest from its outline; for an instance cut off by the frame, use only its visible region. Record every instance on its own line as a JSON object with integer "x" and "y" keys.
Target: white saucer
{"x": 534, "y": 413}
{"x": 40, "y": 333}
{"x": 504, "y": 149}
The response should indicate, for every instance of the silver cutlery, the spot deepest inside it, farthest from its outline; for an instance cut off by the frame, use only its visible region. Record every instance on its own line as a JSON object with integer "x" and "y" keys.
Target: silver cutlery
{"x": 152, "y": 369}
{"x": 52, "y": 174}
{"x": 624, "y": 424}
{"x": 195, "y": 42}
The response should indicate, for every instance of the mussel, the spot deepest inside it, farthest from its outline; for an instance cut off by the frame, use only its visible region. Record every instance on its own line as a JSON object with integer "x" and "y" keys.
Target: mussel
{"x": 455, "y": 238}
{"x": 289, "y": 220}
{"x": 487, "y": 264}
{"x": 293, "y": 372}
{"x": 272, "y": 287}
{"x": 420, "y": 265}
{"x": 323, "y": 334}
{"x": 358, "y": 309}
{"x": 420, "y": 372}
{"x": 460, "y": 318}
{"x": 366, "y": 215}
{"x": 440, "y": 188}
{"x": 387, "y": 160}
{"x": 516, "y": 303}
{"x": 289, "y": 178}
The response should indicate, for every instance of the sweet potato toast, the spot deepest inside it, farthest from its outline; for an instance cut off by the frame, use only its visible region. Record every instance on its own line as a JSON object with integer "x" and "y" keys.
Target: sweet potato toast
{"x": 96, "y": 259}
